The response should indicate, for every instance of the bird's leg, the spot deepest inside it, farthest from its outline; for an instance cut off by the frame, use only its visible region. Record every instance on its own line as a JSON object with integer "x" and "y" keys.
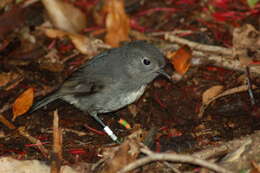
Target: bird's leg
{"x": 108, "y": 131}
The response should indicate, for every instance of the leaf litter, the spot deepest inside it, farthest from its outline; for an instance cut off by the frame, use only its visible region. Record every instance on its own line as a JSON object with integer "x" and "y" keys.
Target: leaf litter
{"x": 168, "y": 114}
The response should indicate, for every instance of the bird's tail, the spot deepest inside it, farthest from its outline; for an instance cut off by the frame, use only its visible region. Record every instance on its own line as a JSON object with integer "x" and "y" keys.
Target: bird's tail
{"x": 44, "y": 102}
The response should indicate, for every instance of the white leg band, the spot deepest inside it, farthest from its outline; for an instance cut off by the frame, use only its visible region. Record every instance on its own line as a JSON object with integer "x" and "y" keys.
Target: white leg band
{"x": 110, "y": 133}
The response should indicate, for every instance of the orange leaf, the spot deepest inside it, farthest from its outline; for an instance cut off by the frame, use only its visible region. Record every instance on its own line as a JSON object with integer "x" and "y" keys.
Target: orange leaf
{"x": 23, "y": 103}
{"x": 117, "y": 23}
{"x": 181, "y": 59}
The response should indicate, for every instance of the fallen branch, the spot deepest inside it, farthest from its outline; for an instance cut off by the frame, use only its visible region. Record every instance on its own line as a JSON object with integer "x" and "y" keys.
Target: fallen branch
{"x": 202, "y": 47}
{"x": 148, "y": 152}
{"x": 224, "y": 61}
{"x": 174, "y": 158}
{"x": 222, "y": 149}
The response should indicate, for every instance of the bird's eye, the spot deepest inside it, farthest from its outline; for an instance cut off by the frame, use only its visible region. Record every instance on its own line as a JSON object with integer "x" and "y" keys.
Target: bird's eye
{"x": 146, "y": 61}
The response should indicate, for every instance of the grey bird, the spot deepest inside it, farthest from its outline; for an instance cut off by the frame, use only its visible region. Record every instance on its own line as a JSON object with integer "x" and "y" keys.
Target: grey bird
{"x": 111, "y": 80}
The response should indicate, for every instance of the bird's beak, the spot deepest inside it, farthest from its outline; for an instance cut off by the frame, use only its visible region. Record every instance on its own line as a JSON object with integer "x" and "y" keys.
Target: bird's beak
{"x": 162, "y": 72}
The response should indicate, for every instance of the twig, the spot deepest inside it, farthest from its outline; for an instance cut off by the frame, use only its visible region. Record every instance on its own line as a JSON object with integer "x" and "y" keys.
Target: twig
{"x": 25, "y": 134}
{"x": 236, "y": 154}
{"x": 77, "y": 132}
{"x": 147, "y": 151}
{"x": 57, "y": 145}
{"x": 97, "y": 164}
{"x": 7, "y": 123}
{"x": 33, "y": 140}
{"x": 174, "y": 169}
{"x": 175, "y": 32}
{"x": 225, "y": 62}
{"x": 6, "y": 107}
{"x": 174, "y": 158}
{"x": 12, "y": 83}
{"x": 250, "y": 90}
{"x": 198, "y": 46}
{"x": 222, "y": 149}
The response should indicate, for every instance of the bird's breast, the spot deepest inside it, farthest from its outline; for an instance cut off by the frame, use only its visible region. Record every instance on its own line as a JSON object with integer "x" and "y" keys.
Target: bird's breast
{"x": 123, "y": 99}
{"x": 130, "y": 97}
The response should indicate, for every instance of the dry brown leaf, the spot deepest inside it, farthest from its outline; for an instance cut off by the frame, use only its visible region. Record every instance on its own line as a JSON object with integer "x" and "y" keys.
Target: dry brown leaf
{"x": 54, "y": 33}
{"x": 246, "y": 39}
{"x": 23, "y": 103}
{"x": 211, "y": 92}
{"x": 11, "y": 20}
{"x": 238, "y": 89}
{"x": 65, "y": 16}
{"x": 117, "y": 23}
{"x": 119, "y": 156}
{"x": 51, "y": 62}
{"x": 9, "y": 80}
{"x": 133, "y": 109}
{"x": 52, "y": 67}
{"x": 3, "y": 3}
{"x": 99, "y": 13}
{"x": 83, "y": 44}
{"x": 256, "y": 167}
{"x": 180, "y": 59}
{"x": 11, "y": 165}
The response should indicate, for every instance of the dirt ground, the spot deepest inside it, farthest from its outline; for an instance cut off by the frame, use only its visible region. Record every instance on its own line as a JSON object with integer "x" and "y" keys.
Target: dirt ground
{"x": 167, "y": 113}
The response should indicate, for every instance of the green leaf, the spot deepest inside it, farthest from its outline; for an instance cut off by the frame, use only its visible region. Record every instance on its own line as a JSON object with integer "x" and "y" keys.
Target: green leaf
{"x": 252, "y": 3}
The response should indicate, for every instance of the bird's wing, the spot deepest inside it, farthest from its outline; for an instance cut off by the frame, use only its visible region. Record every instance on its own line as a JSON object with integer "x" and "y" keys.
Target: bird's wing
{"x": 80, "y": 87}
{"x": 77, "y": 85}
{"x": 75, "y": 88}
